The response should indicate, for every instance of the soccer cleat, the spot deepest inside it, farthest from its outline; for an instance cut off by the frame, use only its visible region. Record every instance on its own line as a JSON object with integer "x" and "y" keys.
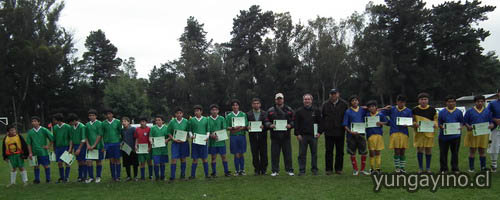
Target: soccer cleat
{"x": 274, "y": 174}
{"x": 398, "y": 170}
{"x": 36, "y": 182}
{"x": 128, "y": 179}
{"x": 227, "y": 174}
{"x": 302, "y": 173}
{"x": 79, "y": 180}
{"x": 243, "y": 173}
{"x": 355, "y": 172}
{"x": 9, "y": 185}
{"x": 366, "y": 173}
{"x": 213, "y": 175}
{"x": 379, "y": 171}
{"x": 338, "y": 172}
{"x": 470, "y": 170}
{"x": 402, "y": 170}
{"x": 89, "y": 180}
{"x": 236, "y": 174}
{"x": 98, "y": 180}
{"x": 372, "y": 171}
{"x": 291, "y": 174}
{"x": 60, "y": 180}
{"x": 493, "y": 168}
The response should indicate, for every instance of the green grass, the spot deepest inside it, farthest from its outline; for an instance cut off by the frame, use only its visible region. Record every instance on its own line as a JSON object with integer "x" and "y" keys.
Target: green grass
{"x": 343, "y": 186}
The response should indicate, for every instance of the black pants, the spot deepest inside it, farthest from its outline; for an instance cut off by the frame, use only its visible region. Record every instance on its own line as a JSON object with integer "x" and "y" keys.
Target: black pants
{"x": 308, "y": 140}
{"x": 258, "y": 145}
{"x": 336, "y": 142}
{"x": 277, "y": 146}
{"x": 444, "y": 146}
{"x": 130, "y": 161}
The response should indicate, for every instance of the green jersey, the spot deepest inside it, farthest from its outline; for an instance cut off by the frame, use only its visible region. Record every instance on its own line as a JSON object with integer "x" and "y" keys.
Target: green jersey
{"x": 78, "y": 134}
{"x": 216, "y": 124}
{"x": 37, "y": 139}
{"x": 229, "y": 121}
{"x": 111, "y": 131}
{"x": 174, "y": 124}
{"x": 159, "y": 132}
{"x": 62, "y": 134}
{"x": 94, "y": 129}
{"x": 199, "y": 125}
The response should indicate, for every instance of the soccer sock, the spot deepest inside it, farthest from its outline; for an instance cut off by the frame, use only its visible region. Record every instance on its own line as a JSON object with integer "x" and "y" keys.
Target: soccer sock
{"x": 482, "y": 161}
{"x": 471, "y": 163}
{"x": 61, "y": 173}
{"x": 402, "y": 161}
{"x": 13, "y": 177}
{"x": 428, "y": 161}
{"x": 236, "y": 164}
{"x": 157, "y": 171}
{"x": 66, "y": 173}
{"x": 494, "y": 157}
{"x": 118, "y": 172}
{"x": 79, "y": 171}
{"x": 193, "y": 169}
{"x": 37, "y": 174}
{"x": 363, "y": 162}
{"x": 47, "y": 174}
{"x": 173, "y": 167}
{"x": 150, "y": 170}
{"x": 378, "y": 161}
{"x": 205, "y": 168}
{"x": 24, "y": 176}
{"x": 242, "y": 163}
{"x": 372, "y": 162}
{"x": 226, "y": 170}
{"x": 84, "y": 171}
{"x": 396, "y": 161}
{"x": 420, "y": 157}
{"x": 183, "y": 169}
{"x": 354, "y": 163}
{"x": 143, "y": 172}
{"x": 112, "y": 168}
{"x": 214, "y": 164}
{"x": 98, "y": 171}
{"x": 162, "y": 170}
{"x": 90, "y": 171}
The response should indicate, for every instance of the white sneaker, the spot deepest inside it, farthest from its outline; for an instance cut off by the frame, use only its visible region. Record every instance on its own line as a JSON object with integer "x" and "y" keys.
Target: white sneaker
{"x": 98, "y": 180}
{"x": 291, "y": 174}
{"x": 9, "y": 185}
{"x": 398, "y": 170}
{"x": 274, "y": 174}
{"x": 89, "y": 180}
{"x": 470, "y": 171}
{"x": 366, "y": 173}
{"x": 355, "y": 172}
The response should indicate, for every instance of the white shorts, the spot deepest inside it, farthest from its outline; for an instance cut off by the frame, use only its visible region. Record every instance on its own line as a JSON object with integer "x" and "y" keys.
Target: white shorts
{"x": 494, "y": 146}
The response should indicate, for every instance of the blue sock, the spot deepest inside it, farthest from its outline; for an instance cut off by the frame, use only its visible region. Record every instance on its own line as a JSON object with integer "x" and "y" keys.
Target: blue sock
{"x": 205, "y": 168}
{"x": 420, "y": 157}
{"x": 242, "y": 163}
{"x": 482, "y": 161}
{"x": 471, "y": 163}
{"x": 173, "y": 167}
{"x": 47, "y": 174}
{"x": 157, "y": 171}
{"x": 183, "y": 169}
{"x": 112, "y": 168}
{"x": 66, "y": 173}
{"x": 236, "y": 164}
{"x": 90, "y": 171}
{"x": 143, "y": 172}
{"x": 61, "y": 173}
{"x": 226, "y": 170}
{"x": 98, "y": 171}
{"x": 79, "y": 171}
{"x": 193, "y": 169}
{"x": 428, "y": 161}
{"x": 37, "y": 174}
{"x": 118, "y": 170}
{"x": 150, "y": 170}
{"x": 162, "y": 170}
{"x": 84, "y": 171}
{"x": 214, "y": 167}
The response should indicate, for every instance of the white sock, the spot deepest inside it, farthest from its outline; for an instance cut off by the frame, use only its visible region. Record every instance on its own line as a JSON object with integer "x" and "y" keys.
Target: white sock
{"x": 494, "y": 157}
{"x": 13, "y": 177}
{"x": 24, "y": 176}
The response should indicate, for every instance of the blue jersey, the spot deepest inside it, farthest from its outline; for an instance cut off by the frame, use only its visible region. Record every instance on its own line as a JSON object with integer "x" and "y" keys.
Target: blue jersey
{"x": 475, "y": 116}
{"x": 353, "y": 116}
{"x": 494, "y": 108}
{"x": 393, "y": 115}
{"x": 376, "y": 130}
{"x": 449, "y": 116}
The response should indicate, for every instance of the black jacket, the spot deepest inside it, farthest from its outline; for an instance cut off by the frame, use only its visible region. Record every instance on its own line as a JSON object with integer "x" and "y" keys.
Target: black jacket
{"x": 332, "y": 117}
{"x": 305, "y": 118}
{"x": 286, "y": 113}
{"x": 262, "y": 117}
{"x": 24, "y": 147}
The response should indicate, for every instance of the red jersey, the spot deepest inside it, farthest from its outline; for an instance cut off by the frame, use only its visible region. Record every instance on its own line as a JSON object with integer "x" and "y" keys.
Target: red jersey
{"x": 142, "y": 135}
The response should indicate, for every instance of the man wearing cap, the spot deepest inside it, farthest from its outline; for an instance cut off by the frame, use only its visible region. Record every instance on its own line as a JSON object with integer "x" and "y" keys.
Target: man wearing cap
{"x": 332, "y": 114}
{"x": 280, "y": 139}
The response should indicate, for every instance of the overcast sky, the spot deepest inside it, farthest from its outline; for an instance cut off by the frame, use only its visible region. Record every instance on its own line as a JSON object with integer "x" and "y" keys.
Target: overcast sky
{"x": 149, "y": 30}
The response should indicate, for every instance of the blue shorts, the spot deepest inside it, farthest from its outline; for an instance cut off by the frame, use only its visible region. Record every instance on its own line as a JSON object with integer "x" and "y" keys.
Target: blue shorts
{"x": 238, "y": 144}
{"x": 81, "y": 156}
{"x": 43, "y": 160}
{"x": 180, "y": 150}
{"x": 113, "y": 150}
{"x": 160, "y": 159}
{"x": 199, "y": 151}
{"x": 59, "y": 152}
{"x": 217, "y": 150}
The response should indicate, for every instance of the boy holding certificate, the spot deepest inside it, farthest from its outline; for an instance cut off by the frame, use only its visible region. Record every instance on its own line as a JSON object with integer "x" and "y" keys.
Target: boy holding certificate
{"x": 475, "y": 139}
{"x": 449, "y": 115}
{"x": 62, "y": 143}
{"x": 258, "y": 138}
{"x": 374, "y": 136}
{"x": 217, "y": 123}
{"x": 237, "y": 123}
{"x": 180, "y": 146}
{"x": 199, "y": 128}
{"x": 112, "y": 129}
{"x": 38, "y": 148}
{"x": 400, "y": 118}
{"x": 494, "y": 147}
{"x": 14, "y": 151}
{"x": 159, "y": 149}
{"x": 78, "y": 138}
{"x": 424, "y": 116}
{"x": 354, "y": 124}
{"x": 141, "y": 136}
{"x": 129, "y": 157}
{"x": 94, "y": 144}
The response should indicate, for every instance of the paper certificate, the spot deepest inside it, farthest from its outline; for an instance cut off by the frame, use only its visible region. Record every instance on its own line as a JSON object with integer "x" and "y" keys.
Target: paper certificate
{"x": 425, "y": 127}
{"x": 200, "y": 139}
{"x": 221, "y": 135}
{"x": 180, "y": 135}
{"x": 358, "y": 127}
{"x": 67, "y": 158}
{"x": 52, "y": 156}
{"x": 315, "y": 129}
{"x": 371, "y": 122}
{"x": 404, "y": 121}
{"x": 481, "y": 129}
{"x": 33, "y": 161}
{"x": 255, "y": 126}
{"x": 238, "y": 121}
{"x": 280, "y": 125}
{"x": 126, "y": 148}
{"x": 451, "y": 129}
{"x": 92, "y": 154}
{"x": 142, "y": 148}
{"x": 159, "y": 142}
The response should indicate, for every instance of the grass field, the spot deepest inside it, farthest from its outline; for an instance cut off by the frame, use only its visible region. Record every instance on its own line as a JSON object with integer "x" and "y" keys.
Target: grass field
{"x": 343, "y": 186}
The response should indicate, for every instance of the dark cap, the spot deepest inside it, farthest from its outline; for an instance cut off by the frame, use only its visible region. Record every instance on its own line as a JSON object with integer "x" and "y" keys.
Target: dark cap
{"x": 333, "y": 91}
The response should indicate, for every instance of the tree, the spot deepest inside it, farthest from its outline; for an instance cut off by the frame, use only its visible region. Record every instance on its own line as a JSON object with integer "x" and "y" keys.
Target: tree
{"x": 128, "y": 67}
{"x": 127, "y": 97}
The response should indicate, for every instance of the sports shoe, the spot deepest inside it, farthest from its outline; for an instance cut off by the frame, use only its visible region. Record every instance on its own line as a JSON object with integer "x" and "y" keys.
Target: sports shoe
{"x": 128, "y": 179}
{"x": 493, "y": 168}
{"x": 25, "y": 184}
{"x": 236, "y": 174}
{"x": 79, "y": 180}
{"x": 291, "y": 174}
{"x": 98, "y": 180}
{"x": 274, "y": 174}
{"x": 243, "y": 173}
{"x": 36, "y": 182}
{"x": 9, "y": 185}
{"x": 227, "y": 174}
{"x": 302, "y": 173}
{"x": 60, "y": 180}
{"x": 355, "y": 172}
{"x": 366, "y": 173}
{"x": 89, "y": 180}
{"x": 398, "y": 170}
{"x": 402, "y": 170}
{"x": 470, "y": 170}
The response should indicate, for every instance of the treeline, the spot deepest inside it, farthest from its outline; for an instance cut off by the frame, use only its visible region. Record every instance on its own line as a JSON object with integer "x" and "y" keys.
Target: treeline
{"x": 399, "y": 47}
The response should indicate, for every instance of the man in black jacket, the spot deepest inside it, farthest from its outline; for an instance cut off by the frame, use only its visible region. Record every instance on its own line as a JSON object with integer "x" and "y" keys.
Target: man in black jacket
{"x": 332, "y": 113}
{"x": 258, "y": 140}
{"x": 280, "y": 139}
{"x": 306, "y": 119}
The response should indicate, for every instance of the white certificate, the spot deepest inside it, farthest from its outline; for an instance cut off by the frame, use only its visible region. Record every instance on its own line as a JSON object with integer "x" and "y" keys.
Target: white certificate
{"x": 67, "y": 158}
{"x": 404, "y": 121}
{"x": 180, "y": 135}
{"x": 200, "y": 139}
{"x": 142, "y": 148}
{"x": 92, "y": 154}
{"x": 358, "y": 127}
{"x": 452, "y": 128}
{"x": 481, "y": 129}
{"x": 221, "y": 135}
{"x": 238, "y": 121}
{"x": 315, "y": 129}
{"x": 255, "y": 126}
{"x": 158, "y": 142}
{"x": 425, "y": 127}
{"x": 280, "y": 125}
{"x": 52, "y": 156}
{"x": 126, "y": 148}
{"x": 371, "y": 122}
{"x": 33, "y": 161}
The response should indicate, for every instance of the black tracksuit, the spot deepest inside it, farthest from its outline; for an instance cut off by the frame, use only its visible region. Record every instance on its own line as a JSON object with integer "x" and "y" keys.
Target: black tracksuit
{"x": 258, "y": 143}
